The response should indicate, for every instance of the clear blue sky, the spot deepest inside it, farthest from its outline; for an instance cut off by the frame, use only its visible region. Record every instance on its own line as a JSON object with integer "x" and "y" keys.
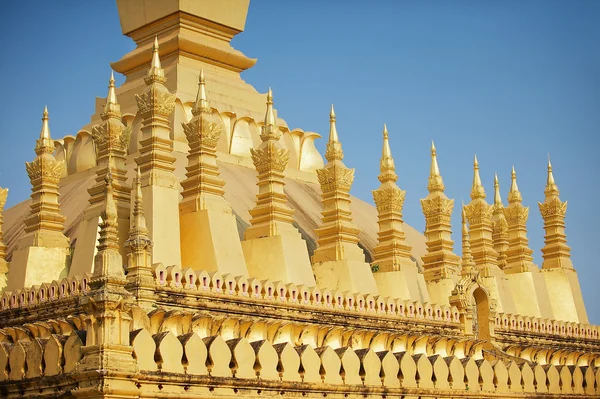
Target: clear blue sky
{"x": 510, "y": 81}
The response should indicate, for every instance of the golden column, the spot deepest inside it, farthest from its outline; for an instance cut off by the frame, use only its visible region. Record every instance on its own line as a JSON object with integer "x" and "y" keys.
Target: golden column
{"x": 396, "y": 272}
{"x": 467, "y": 263}
{"x": 391, "y": 251}
{"x": 41, "y": 254}
{"x": 159, "y": 183}
{"x": 439, "y": 262}
{"x": 441, "y": 265}
{"x": 111, "y": 140}
{"x": 519, "y": 255}
{"x": 500, "y": 226}
{"x": 338, "y": 262}
{"x": 479, "y": 215}
{"x": 209, "y": 236}
{"x": 3, "y": 262}
{"x": 273, "y": 247}
{"x": 566, "y": 301}
{"x": 139, "y": 255}
{"x": 556, "y": 252}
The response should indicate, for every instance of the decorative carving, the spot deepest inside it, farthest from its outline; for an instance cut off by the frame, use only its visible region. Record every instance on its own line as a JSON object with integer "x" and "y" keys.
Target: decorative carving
{"x": 389, "y": 199}
{"x": 554, "y": 208}
{"x": 45, "y": 169}
{"x": 155, "y": 103}
{"x": 479, "y": 213}
{"x": 270, "y": 158}
{"x": 335, "y": 178}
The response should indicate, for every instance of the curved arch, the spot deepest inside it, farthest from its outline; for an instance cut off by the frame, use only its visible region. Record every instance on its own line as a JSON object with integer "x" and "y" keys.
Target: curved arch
{"x": 83, "y": 154}
{"x": 244, "y": 137}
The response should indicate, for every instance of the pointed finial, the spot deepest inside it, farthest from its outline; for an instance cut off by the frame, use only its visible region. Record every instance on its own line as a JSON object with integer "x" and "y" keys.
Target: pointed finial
{"x": 138, "y": 224}
{"x": 270, "y": 116}
{"x": 386, "y": 166}
{"x": 497, "y": 196}
{"x": 514, "y": 195}
{"x": 155, "y": 58}
{"x": 45, "y": 144}
{"x": 551, "y": 187}
{"x": 387, "y": 152}
{"x": 334, "y": 147}
{"x": 477, "y": 190}
{"x": 465, "y": 230}
{"x": 156, "y": 73}
{"x": 333, "y": 135}
{"x": 111, "y": 107}
{"x": 269, "y": 130}
{"x": 201, "y": 104}
{"x": 435, "y": 179}
{"x": 45, "y": 132}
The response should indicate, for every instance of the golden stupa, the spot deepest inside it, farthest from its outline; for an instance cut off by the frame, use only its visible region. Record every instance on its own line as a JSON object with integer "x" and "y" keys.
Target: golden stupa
{"x": 188, "y": 244}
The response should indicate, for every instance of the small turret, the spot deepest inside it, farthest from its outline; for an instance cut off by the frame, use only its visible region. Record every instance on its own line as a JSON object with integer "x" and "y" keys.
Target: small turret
{"x": 499, "y": 226}
{"x": 556, "y": 253}
{"x": 391, "y": 251}
{"x": 440, "y": 262}
{"x": 479, "y": 215}
{"x": 519, "y": 255}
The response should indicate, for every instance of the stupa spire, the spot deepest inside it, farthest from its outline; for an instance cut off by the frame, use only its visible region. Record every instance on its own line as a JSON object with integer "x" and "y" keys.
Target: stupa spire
{"x": 337, "y": 238}
{"x": 435, "y": 178}
{"x": 391, "y": 251}
{"x": 45, "y": 144}
{"x": 519, "y": 255}
{"x": 272, "y": 232}
{"x": 551, "y": 187}
{"x": 440, "y": 262}
{"x": 203, "y": 205}
{"x": 556, "y": 253}
{"x": 514, "y": 195}
{"x": 386, "y": 165}
{"x": 334, "y": 147}
{"x": 499, "y": 225}
{"x": 479, "y": 215}
{"x": 270, "y": 159}
{"x": 139, "y": 245}
{"x": 44, "y": 243}
{"x": 111, "y": 139}
{"x": 477, "y": 190}
{"x": 156, "y": 159}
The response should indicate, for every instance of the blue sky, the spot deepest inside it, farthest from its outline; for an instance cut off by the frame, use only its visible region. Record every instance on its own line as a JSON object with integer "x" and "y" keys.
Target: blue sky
{"x": 510, "y": 81}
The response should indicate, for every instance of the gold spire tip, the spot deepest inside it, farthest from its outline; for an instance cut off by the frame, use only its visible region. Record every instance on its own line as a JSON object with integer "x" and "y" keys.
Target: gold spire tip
{"x": 385, "y": 131}
{"x": 332, "y": 113}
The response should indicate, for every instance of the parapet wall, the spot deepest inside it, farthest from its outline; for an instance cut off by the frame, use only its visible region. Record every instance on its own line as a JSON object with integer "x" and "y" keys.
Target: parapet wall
{"x": 192, "y": 364}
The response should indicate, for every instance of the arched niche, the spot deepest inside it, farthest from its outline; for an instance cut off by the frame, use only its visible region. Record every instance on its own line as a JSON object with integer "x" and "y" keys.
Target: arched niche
{"x": 83, "y": 155}
{"x": 482, "y": 314}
